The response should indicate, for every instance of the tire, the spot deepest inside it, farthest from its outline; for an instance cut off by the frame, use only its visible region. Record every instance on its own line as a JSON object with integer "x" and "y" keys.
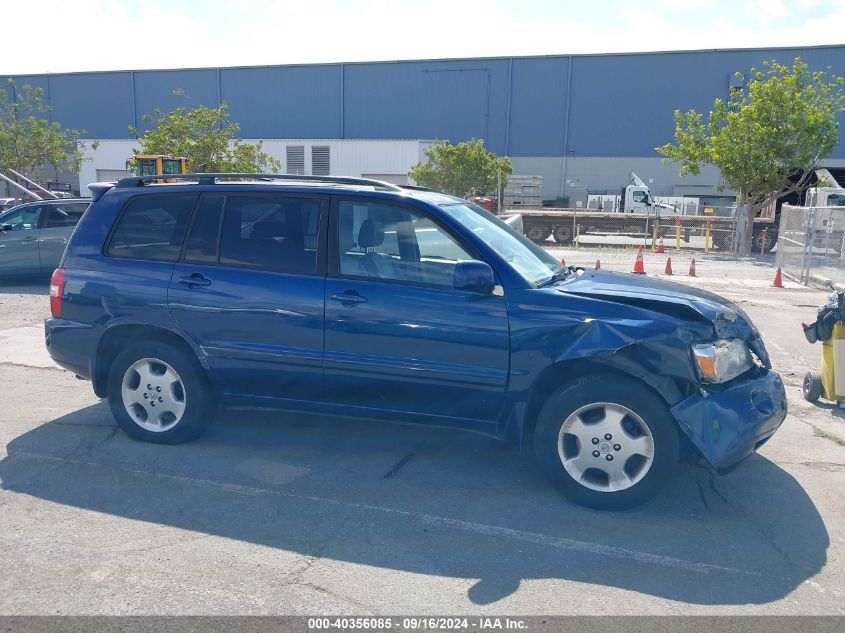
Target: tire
{"x": 812, "y": 386}
{"x": 640, "y": 429}
{"x": 562, "y": 234}
{"x": 538, "y": 232}
{"x": 177, "y": 385}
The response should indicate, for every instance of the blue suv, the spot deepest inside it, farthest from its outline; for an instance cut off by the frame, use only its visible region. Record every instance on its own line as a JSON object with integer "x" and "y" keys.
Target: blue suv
{"x": 360, "y": 298}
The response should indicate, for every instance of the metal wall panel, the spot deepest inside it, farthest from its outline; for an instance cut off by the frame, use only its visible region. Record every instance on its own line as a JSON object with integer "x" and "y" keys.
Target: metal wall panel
{"x": 154, "y": 91}
{"x": 284, "y": 102}
{"x": 100, "y": 103}
{"x": 34, "y": 81}
{"x": 619, "y": 105}
{"x": 623, "y": 105}
{"x": 538, "y": 106}
{"x": 427, "y": 100}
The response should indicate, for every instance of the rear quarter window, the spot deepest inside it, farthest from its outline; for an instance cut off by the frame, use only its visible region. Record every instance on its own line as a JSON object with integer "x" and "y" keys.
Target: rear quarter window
{"x": 152, "y": 228}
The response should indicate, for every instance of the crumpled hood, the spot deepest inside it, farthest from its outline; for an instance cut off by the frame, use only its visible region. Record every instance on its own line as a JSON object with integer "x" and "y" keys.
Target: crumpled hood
{"x": 673, "y": 299}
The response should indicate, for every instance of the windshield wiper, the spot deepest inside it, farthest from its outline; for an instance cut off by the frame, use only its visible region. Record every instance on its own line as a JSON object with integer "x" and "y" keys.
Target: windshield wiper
{"x": 558, "y": 276}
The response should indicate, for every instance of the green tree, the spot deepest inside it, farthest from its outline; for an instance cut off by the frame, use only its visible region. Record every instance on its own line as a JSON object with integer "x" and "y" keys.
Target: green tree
{"x": 766, "y": 139}
{"x": 28, "y": 140}
{"x": 207, "y": 137}
{"x": 464, "y": 170}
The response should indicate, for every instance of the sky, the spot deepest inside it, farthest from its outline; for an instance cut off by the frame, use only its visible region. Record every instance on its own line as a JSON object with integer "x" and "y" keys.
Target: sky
{"x": 63, "y": 36}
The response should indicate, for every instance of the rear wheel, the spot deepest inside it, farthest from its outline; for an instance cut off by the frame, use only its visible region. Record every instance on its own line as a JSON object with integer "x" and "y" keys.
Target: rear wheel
{"x": 158, "y": 393}
{"x": 538, "y": 232}
{"x": 812, "y": 386}
{"x": 606, "y": 442}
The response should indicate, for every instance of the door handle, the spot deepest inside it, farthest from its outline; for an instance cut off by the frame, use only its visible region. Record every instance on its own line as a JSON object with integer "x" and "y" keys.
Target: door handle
{"x": 194, "y": 281}
{"x": 348, "y": 298}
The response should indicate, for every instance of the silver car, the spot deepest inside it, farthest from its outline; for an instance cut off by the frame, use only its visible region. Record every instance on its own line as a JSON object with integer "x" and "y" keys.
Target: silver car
{"x": 33, "y": 236}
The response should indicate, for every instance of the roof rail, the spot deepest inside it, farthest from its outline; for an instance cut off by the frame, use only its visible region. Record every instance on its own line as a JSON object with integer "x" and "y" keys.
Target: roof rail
{"x": 210, "y": 179}
{"x": 420, "y": 188}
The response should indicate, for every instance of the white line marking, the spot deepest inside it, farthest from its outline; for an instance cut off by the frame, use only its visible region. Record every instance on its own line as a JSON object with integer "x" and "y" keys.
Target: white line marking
{"x": 429, "y": 519}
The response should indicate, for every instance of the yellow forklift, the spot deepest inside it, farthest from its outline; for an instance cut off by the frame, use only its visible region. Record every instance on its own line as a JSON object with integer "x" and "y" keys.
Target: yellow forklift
{"x": 157, "y": 165}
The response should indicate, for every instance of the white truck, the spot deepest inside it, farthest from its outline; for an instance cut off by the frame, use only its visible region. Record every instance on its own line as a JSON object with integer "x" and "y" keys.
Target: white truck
{"x": 826, "y": 193}
{"x": 636, "y": 198}
{"x": 827, "y": 198}
{"x": 634, "y": 213}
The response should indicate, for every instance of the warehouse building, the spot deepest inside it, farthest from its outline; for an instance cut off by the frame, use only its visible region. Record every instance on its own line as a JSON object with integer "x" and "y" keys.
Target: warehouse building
{"x": 582, "y": 122}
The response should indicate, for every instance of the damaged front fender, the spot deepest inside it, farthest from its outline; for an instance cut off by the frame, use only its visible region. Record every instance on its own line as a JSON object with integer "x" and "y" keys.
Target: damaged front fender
{"x": 646, "y": 329}
{"x": 727, "y": 425}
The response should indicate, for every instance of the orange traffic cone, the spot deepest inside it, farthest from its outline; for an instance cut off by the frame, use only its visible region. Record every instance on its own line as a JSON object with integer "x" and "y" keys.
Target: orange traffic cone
{"x": 692, "y": 268}
{"x": 778, "y": 282}
{"x": 639, "y": 268}
{"x": 660, "y": 247}
{"x": 598, "y": 264}
{"x": 668, "y": 270}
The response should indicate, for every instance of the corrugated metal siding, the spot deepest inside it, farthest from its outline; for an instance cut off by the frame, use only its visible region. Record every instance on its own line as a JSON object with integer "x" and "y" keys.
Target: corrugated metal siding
{"x": 154, "y": 91}
{"x": 100, "y": 103}
{"x": 446, "y": 100}
{"x": 284, "y": 102}
{"x": 624, "y": 105}
{"x": 538, "y": 107}
{"x": 620, "y": 105}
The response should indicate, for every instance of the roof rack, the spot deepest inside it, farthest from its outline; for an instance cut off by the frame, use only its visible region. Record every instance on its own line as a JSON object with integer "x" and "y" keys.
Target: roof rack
{"x": 419, "y": 188}
{"x": 210, "y": 179}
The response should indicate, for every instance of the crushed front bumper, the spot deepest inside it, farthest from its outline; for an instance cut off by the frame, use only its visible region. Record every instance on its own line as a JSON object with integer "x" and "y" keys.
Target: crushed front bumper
{"x": 728, "y": 425}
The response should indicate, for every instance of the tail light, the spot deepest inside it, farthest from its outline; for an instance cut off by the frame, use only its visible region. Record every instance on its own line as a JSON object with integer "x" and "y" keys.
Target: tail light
{"x": 57, "y": 283}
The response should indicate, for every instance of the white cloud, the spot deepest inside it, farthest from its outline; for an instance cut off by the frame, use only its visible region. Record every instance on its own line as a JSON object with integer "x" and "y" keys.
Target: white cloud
{"x": 107, "y": 35}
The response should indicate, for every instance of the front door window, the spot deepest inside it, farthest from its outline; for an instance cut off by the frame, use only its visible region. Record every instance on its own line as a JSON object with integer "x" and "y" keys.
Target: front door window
{"x": 378, "y": 241}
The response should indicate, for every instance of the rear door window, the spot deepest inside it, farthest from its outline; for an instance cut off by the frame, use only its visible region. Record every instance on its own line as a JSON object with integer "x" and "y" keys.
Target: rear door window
{"x": 201, "y": 247}
{"x": 267, "y": 232}
{"x": 64, "y": 215}
{"x": 152, "y": 227}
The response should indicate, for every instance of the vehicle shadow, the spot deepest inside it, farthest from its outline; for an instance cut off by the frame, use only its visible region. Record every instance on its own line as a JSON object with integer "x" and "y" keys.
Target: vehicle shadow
{"x": 26, "y": 286}
{"x": 430, "y": 501}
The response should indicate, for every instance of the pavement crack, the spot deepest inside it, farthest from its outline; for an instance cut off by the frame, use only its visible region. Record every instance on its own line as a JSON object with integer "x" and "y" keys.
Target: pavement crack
{"x": 715, "y": 490}
{"x": 761, "y": 529}
{"x": 398, "y": 466}
{"x": 702, "y": 495}
{"x": 817, "y": 432}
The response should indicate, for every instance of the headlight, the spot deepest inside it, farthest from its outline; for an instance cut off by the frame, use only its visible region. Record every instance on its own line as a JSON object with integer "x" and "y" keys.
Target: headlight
{"x": 723, "y": 360}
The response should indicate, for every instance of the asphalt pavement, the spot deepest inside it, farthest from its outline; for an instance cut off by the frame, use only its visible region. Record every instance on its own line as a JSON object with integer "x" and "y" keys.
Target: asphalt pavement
{"x": 274, "y": 513}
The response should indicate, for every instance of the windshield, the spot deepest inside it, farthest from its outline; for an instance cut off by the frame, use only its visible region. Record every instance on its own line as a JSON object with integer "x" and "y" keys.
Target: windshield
{"x": 533, "y": 263}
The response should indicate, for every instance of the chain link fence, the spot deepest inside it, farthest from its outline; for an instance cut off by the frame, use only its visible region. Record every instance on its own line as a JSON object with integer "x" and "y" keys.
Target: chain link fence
{"x": 586, "y": 227}
{"x": 811, "y": 245}
{"x": 678, "y": 223}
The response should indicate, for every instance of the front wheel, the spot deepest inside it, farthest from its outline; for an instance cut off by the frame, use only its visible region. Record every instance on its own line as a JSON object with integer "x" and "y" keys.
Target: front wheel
{"x": 606, "y": 441}
{"x": 562, "y": 234}
{"x": 157, "y": 393}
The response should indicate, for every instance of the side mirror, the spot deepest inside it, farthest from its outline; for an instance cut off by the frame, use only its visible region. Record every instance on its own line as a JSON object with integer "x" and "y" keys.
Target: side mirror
{"x": 474, "y": 276}
{"x": 5, "y": 227}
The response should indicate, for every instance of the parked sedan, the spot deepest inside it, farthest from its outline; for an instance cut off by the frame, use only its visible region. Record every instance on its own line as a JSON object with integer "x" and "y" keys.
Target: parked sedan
{"x": 33, "y": 236}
